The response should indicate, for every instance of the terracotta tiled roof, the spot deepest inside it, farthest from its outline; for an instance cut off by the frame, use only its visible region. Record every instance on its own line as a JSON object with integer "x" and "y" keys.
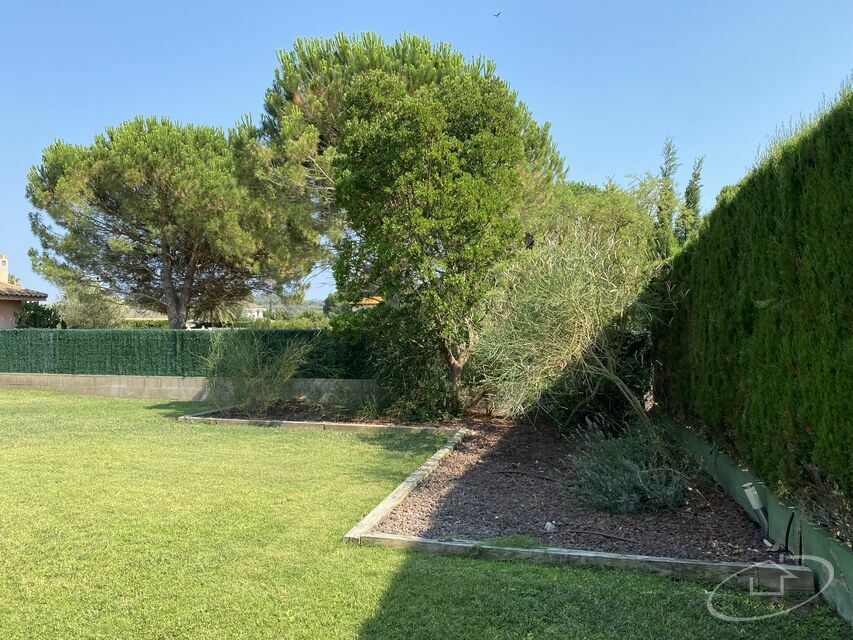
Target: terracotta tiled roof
{"x": 372, "y": 301}
{"x": 14, "y": 292}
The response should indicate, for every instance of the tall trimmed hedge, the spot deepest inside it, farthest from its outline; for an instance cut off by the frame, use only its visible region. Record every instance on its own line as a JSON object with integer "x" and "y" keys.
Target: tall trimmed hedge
{"x": 156, "y": 352}
{"x": 760, "y": 346}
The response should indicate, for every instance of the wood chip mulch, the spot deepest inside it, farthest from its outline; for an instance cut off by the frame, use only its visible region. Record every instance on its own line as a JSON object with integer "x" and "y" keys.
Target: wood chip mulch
{"x": 303, "y": 410}
{"x": 508, "y": 480}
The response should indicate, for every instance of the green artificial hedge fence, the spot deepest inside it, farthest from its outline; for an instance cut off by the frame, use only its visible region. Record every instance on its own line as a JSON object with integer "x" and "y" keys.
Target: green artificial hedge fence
{"x": 153, "y": 352}
{"x": 759, "y": 349}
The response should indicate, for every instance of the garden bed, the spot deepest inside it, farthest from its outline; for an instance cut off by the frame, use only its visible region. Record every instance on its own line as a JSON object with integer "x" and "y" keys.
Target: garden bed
{"x": 503, "y": 482}
{"x": 303, "y": 410}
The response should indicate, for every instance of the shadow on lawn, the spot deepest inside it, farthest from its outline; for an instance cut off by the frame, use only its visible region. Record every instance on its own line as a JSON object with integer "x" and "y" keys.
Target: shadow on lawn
{"x": 441, "y": 597}
{"x": 422, "y": 444}
{"x": 177, "y": 409}
{"x": 434, "y": 596}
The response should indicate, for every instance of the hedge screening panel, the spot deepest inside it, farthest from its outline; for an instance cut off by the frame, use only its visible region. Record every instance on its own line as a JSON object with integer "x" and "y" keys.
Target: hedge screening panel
{"x": 153, "y": 352}
{"x": 759, "y": 347}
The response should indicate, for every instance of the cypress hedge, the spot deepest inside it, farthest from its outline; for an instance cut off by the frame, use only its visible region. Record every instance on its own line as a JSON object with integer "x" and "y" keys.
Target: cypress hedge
{"x": 759, "y": 348}
{"x": 153, "y": 352}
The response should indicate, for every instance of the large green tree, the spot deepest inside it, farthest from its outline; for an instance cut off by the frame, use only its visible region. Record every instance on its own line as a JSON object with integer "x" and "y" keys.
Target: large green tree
{"x": 299, "y": 134}
{"x": 428, "y": 179}
{"x": 158, "y": 214}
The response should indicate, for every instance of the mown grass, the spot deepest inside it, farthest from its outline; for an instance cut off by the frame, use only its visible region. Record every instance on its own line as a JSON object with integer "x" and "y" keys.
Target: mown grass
{"x": 118, "y": 521}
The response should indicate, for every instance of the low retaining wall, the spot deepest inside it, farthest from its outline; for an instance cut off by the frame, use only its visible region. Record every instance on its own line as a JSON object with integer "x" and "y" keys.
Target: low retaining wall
{"x": 338, "y": 391}
{"x": 804, "y": 537}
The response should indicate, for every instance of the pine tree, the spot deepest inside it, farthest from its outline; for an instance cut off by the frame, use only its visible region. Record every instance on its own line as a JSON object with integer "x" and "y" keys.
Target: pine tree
{"x": 297, "y": 139}
{"x": 157, "y": 214}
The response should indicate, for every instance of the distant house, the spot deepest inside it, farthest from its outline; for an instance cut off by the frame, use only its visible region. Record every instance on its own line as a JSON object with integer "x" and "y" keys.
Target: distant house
{"x": 252, "y": 311}
{"x": 367, "y": 303}
{"x": 12, "y": 295}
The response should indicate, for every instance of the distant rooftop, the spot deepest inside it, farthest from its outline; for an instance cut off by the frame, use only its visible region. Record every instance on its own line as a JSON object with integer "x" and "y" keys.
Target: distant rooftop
{"x": 9, "y": 291}
{"x": 14, "y": 292}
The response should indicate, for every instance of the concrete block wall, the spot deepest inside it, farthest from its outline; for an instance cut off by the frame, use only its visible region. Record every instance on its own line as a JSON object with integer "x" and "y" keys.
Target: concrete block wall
{"x": 335, "y": 390}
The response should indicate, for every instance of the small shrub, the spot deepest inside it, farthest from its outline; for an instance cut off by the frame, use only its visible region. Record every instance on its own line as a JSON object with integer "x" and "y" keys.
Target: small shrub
{"x": 35, "y": 315}
{"x": 405, "y": 359}
{"x": 630, "y": 471}
{"x": 248, "y": 371}
{"x": 344, "y": 407}
{"x": 826, "y": 504}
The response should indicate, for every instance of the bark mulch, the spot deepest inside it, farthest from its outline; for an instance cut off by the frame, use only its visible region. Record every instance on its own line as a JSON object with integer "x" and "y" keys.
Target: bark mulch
{"x": 507, "y": 480}
{"x": 303, "y": 410}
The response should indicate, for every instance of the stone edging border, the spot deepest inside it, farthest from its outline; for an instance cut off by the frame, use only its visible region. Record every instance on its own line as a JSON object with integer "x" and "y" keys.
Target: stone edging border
{"x": 791, "y": 578}
{"x": 363, "y": 527}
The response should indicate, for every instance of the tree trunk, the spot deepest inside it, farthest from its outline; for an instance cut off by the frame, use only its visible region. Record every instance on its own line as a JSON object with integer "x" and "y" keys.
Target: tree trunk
{"x": 452, "y": 401}
{"x": 176, "y": 306}
{"x": 177, "y": 314}
{"x": 454, "y": 382}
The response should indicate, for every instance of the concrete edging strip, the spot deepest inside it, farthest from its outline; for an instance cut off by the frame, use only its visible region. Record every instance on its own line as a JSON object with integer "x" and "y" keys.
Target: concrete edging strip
{"x": 363, "y": 527}
{"x": 769, "y": 575}
{"x": 805, "y": 538}
{"x": 209, "y": 416}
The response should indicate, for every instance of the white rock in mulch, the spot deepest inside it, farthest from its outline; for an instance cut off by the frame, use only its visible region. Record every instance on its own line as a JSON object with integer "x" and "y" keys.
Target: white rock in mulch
{"x": 550, "y": 527}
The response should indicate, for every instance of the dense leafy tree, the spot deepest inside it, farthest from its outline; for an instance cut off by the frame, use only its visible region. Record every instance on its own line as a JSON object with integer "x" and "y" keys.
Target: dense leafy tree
{"x": 428, "y": 179}
{"x": 299, "y": 133}
{"x": 156, "y": 213}
{"x": 89, "y": 307}
{"x": 334, "y": 305}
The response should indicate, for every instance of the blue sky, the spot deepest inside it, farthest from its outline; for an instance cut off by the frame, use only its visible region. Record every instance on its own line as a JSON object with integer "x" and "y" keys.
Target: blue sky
{"x": 613, "y": 78}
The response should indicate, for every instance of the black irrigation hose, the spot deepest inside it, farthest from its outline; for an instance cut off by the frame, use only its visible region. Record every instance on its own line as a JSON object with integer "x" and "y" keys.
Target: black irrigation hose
{"x": 788, "y": 531}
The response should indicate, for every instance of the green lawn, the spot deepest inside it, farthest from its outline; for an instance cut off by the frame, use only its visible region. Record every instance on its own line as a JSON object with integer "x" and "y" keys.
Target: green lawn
{"x": 116, "y": 520}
